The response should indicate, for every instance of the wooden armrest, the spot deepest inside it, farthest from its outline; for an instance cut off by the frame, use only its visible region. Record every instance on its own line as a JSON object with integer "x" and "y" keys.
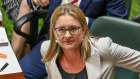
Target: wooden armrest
{"x": 13, "y": 76}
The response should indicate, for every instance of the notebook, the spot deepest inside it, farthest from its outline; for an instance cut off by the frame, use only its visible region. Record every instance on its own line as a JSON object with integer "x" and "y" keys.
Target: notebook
{"x": 8, "y": 61}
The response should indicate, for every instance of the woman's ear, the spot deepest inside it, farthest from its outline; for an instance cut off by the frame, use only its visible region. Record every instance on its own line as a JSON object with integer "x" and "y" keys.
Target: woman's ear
{"x": 85, "y": 29}
{"x": 54, "y": 33}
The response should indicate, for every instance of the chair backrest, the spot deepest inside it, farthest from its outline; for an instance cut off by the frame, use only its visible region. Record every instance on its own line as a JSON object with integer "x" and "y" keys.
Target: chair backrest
{"x": 121, "y": 31}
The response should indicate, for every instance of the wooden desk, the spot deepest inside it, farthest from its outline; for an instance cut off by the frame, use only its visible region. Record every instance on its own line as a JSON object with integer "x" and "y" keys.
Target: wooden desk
{"x": 13, "y": 76}
{"x": 0, "y": 24}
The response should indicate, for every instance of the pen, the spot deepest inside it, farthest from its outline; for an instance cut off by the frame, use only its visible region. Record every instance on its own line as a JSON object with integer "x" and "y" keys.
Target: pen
{"x": 4, "y": 66}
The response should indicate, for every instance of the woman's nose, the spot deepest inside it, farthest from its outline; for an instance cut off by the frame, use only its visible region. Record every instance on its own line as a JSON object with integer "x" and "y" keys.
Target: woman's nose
{"x": 67, "y": 34}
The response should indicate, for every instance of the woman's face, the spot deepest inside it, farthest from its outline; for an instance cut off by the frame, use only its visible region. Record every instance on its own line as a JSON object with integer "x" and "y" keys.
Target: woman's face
{"x": 69, "y": 39}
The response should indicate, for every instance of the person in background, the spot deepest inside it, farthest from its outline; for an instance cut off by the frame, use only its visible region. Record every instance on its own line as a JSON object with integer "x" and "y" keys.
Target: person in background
{"x": 72, "y": 53}
{"x": 31, "y": 63}
{"x": 18, "y": 42}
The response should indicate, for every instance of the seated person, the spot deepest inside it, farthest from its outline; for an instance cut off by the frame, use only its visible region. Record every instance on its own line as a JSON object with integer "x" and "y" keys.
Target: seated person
{"x": 31, "y": 64}
{"x": 18, "y": 42}
{"x": 71, "y": 53}
{"x": 92, "y": 9}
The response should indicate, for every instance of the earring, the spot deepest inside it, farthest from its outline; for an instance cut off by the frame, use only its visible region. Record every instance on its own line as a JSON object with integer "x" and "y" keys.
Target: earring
{"x": 56, "y": 41}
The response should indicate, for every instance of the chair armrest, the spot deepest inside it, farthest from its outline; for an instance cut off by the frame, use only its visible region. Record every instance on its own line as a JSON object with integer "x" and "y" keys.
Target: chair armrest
{"x": 26, "y": 18}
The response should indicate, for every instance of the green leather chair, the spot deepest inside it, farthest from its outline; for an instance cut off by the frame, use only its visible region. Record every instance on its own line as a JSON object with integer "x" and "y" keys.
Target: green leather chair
{"x": 123, "y": 32}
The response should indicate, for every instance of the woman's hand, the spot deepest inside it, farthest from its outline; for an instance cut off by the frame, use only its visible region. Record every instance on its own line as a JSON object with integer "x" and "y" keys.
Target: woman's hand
{"x": 41, "y": 3}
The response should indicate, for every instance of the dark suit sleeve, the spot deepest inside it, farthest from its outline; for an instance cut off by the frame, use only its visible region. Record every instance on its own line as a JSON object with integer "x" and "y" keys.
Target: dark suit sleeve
{"x": 116, "y": 8}
{"x": 30, "y": 4}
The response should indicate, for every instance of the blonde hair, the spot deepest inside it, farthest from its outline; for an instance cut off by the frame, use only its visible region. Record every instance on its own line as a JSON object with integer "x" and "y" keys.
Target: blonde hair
{"x": 79, "y": 15}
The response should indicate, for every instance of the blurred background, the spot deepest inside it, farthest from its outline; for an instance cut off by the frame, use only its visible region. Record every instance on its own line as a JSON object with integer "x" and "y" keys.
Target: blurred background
{"x": 7, "y": 23}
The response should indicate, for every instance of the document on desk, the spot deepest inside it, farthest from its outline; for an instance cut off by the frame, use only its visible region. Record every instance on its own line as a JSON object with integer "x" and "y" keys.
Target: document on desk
{"x": 8, "y": 61}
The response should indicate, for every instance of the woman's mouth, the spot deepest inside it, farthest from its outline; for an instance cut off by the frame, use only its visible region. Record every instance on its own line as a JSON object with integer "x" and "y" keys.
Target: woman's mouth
{"x": 68, "y": 42}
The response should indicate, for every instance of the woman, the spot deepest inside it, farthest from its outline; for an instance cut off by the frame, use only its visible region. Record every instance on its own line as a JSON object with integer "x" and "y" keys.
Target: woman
{"x": 72, "y": 53}
{"x": 91, "y": 8}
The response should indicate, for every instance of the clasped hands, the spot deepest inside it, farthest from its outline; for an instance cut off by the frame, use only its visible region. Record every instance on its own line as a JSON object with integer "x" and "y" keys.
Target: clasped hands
{"x": 41, "y": 3}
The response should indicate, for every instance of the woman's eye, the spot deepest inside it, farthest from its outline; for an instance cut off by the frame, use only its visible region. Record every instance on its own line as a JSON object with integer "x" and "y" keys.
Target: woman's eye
{"x": 61, "y": 29}
{"x": 73, "y": 29}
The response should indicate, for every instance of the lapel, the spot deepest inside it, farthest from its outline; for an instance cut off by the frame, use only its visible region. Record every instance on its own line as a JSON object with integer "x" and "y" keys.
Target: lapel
{"x": 84, "y": 4}
{"x": 52, "y": 69}
{"x": 93, "y": 63}
{"x": 52, "y": 5}
{"x": 56, "y": 3}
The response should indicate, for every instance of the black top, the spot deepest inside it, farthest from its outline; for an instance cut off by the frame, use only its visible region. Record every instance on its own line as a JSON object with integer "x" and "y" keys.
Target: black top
{"x": 65, "y": 75}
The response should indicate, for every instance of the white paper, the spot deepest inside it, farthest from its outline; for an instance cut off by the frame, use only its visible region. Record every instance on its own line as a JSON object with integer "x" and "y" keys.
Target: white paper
{"x": 3, "y": 37}
{"x": 0, "y": 16}
{"x": 11, "y": 59}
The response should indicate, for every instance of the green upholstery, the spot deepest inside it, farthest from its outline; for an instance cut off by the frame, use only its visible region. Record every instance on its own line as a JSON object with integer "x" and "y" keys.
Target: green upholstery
{"x": 121, "y": 31}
